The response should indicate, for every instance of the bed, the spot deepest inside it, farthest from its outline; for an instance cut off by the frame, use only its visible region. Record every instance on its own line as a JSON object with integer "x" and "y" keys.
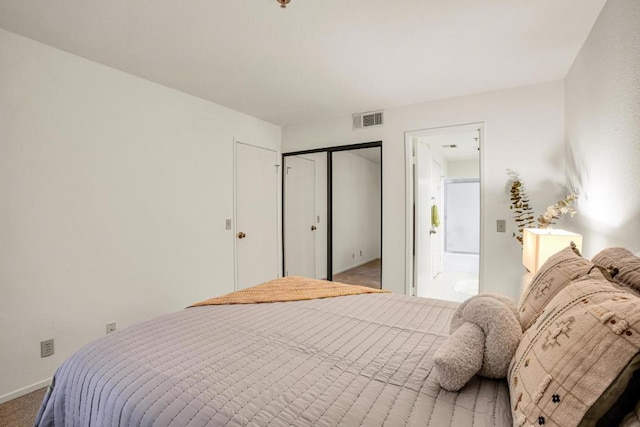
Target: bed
{"x": 356, "y": 360}
{"x": 303, "y": 352}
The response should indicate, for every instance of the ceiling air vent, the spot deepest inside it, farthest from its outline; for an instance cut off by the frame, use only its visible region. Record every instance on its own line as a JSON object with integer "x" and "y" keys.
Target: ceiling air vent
{"x": 365, "y": 120}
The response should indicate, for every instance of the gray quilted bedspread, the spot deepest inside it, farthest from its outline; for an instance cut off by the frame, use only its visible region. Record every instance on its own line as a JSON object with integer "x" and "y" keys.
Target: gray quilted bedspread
{"x": 363, "y": 360}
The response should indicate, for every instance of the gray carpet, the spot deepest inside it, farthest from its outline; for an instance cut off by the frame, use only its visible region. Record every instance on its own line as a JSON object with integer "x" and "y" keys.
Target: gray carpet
{"x": 21, "y": 412}
{"x": 365, "y": 275}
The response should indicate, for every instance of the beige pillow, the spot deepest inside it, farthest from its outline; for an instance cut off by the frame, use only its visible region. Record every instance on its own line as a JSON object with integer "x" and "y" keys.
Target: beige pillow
{"x": 623, "y": 266}
{"x": 576, "y": 355}
{"x": 556, "y": 273}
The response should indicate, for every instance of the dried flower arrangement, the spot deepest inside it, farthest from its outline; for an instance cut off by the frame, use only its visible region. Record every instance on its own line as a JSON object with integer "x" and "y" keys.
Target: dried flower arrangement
{"x": 523, "y": 213}
{"x": 554, "y": 212}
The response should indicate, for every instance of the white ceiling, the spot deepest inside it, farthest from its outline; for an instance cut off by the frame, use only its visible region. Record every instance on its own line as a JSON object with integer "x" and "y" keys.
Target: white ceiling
{"x": 317, "y": 58}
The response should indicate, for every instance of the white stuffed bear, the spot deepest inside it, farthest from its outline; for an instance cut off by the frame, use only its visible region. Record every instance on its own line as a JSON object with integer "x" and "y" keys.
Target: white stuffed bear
{"x": 485, "y": 333}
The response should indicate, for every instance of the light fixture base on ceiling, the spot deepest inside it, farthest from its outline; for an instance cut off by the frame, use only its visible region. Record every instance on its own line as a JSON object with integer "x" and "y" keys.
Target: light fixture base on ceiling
{"x": 284, "y": 3}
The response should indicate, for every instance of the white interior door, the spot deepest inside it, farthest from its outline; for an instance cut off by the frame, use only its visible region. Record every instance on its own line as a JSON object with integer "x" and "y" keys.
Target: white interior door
{"x": 300, "y": 213}
{"x": 423, "y": 193}
{"x": 437, "y": 239}
{"x": 256, "y": 177}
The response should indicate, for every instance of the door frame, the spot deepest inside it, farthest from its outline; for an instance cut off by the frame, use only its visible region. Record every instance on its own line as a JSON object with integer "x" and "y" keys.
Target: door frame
{"x": 409, "y": 136}
{"x": 330, "y": 151}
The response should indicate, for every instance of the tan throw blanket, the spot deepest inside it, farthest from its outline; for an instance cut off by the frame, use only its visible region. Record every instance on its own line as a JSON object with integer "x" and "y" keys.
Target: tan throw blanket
{"x": 291, "y": 288}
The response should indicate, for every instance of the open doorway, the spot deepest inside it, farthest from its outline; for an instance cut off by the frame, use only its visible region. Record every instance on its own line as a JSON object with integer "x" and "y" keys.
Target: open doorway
{"x": 444, "y": 209}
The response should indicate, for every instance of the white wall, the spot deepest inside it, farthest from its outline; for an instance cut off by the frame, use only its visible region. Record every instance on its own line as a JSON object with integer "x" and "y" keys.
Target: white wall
{"x": 463, "y": 169}
{"x": 603, "y": 130}
{"x": 524, "y": 131}
{"x": 356, "y": 211}
{"x": 113, "y": 198}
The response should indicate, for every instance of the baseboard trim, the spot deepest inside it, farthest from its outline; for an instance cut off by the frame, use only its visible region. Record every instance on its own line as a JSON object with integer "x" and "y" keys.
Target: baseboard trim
{"x": 25, "y": 390}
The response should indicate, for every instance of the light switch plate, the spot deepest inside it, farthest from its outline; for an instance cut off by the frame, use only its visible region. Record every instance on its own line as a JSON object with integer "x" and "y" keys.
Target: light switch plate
{"x": 227, "y": 224}
{"x": 502, "y": 226}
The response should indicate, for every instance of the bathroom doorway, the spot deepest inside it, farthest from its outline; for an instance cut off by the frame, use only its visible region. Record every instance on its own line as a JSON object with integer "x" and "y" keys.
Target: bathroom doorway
{"x": 444, "y": 208}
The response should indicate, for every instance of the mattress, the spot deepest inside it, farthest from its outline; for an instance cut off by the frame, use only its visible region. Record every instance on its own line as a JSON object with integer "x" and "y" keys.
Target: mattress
{"x": 363, "y": 360}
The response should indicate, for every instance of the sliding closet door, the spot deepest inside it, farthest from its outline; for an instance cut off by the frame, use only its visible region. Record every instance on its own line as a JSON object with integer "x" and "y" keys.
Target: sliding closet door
{"x": 344, "y": 184}
{"x": 356, "y": 216}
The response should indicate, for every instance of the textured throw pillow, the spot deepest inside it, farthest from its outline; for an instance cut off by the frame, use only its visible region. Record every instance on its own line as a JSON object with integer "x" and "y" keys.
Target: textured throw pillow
{"x": 485, "y": 333}
{"x": 623, "y": 266}
{"x": 578, "y": 358}
{"x": 556, "y": 273}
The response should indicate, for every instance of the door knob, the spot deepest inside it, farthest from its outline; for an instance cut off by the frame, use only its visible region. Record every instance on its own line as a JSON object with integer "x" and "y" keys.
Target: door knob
{"x": 313, "y": 228}
{"x": 241, "y": 235}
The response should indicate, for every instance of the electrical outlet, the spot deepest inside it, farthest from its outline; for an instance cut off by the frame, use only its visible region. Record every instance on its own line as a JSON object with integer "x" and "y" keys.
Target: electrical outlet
{"x": 111, "y": 327}
{"x": 502, "y": 226}
{"x": 227, "y": 224}
{"x": 46, "y": 348}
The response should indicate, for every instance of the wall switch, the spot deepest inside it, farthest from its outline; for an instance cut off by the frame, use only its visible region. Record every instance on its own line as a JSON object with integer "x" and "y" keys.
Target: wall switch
{"x": 111, "y": 327}
{"x": 502, "y": 226}
{"x": 227, "y": 224}
{"x": 318, "y": 221}
{"x": 46, "y": 348}
{"x": 360, "y": 252}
